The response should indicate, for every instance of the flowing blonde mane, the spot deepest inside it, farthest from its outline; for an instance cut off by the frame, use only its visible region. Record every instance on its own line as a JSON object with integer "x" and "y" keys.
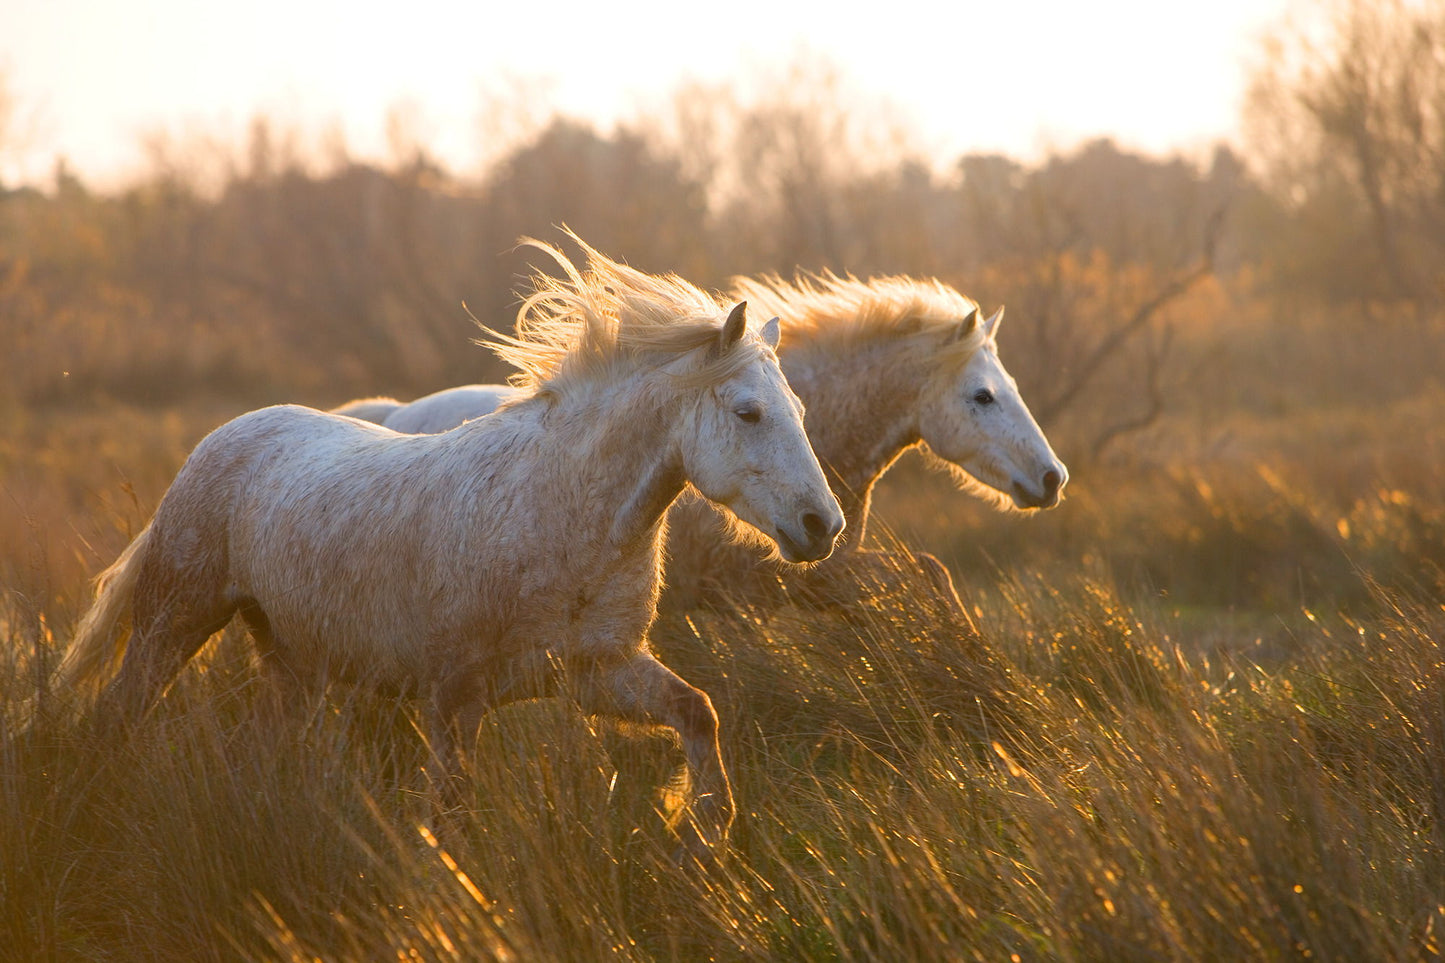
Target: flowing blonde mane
{"x": 818, "y": 308}
{"x": 595, "y": 322}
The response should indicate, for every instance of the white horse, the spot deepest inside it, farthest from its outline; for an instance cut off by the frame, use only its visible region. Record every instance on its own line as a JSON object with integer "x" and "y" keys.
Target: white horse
{"x": 369, "y": 409}
{"x": 445, "y": 409}
{"x": 515, "y": 556}
{"x": 434, "y": 413}
{"x": 883, "y": 366}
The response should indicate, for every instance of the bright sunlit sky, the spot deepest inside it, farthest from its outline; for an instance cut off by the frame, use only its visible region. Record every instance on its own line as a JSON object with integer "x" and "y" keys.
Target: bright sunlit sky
{"x": 90, "y": 78}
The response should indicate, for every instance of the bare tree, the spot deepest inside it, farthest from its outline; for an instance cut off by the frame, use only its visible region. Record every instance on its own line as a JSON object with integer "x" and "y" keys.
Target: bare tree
{"x": 1354, "y": 107}
{"x": 619, "y": 191}
{"x": 794, "y": 167}
{"x": 1091, "y": 251}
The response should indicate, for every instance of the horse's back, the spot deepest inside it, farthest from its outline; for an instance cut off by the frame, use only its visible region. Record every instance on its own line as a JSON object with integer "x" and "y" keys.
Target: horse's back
{"x": 352, "y": 486}
{"x": 283, "y": 432}
{"x": 375, "y": 410}
{"x": 263, "y": 454}
{"x": 299, "y": 460}
{"x": 446, "y": 409}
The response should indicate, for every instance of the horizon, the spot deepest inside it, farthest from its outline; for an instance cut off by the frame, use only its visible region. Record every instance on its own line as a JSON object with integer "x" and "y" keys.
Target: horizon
{"x": 332, "y": 75}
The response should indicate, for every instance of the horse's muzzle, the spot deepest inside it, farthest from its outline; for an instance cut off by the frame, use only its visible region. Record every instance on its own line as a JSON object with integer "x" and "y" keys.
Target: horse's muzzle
{"x": 813, "y": 537}
{"x": 1047, "y": 495}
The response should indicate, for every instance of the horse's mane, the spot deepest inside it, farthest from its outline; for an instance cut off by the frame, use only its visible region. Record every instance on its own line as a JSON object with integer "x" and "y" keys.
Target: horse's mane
{"x": 595, "y": 320}
{"x": 825, "y": 307}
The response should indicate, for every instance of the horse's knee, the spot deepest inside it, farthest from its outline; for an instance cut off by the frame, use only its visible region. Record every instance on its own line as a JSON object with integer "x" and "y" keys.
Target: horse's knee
{"x": 713, "y": 809}
{"x": 454, "y": 714}
{"x": 645, "y": 691}
{"x": 691, "y": 712}
{"x": 935, "y": 571}
{"x": 941, "y": 581}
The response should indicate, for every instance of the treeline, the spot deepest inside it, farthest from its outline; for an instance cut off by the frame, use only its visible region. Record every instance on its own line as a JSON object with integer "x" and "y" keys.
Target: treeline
{"x": 283, "y": 278}
{"x": 365, "y": 271}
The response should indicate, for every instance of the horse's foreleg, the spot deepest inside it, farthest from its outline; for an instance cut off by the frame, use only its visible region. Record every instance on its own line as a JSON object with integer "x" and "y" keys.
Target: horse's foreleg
{"x": 294, "y": 687}
{"x": 883, "y": 574}
{"x": 939, "y": 579}
{"x": 454, "y": 712}
{"x": 643, "y": 690}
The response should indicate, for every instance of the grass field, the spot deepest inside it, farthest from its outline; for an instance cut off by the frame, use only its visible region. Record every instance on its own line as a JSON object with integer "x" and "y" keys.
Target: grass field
{"x": 1200, "y": 716}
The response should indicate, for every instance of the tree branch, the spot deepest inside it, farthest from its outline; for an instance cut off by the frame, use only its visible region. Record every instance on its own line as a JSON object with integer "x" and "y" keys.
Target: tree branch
{"x": 1140, "y": 319}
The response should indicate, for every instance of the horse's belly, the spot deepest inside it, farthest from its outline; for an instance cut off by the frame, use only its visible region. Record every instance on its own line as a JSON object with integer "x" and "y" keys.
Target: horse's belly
{"x": 357, "y": 642}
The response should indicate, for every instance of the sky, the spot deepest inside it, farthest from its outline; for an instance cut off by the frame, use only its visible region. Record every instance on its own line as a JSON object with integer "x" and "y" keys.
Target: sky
{"x": 90, "y": 80}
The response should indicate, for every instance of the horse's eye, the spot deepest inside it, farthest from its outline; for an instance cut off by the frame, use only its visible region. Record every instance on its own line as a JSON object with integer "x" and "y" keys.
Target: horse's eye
{"x": 750, "y": 414}
{"x": 983, "y": 397}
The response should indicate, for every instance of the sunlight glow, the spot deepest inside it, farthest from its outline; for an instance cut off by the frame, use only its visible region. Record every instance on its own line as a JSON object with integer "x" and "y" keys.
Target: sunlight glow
{"x": 1016, "y": 79}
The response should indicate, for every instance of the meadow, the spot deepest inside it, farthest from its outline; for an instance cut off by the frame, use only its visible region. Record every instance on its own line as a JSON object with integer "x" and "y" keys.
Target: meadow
{"x": 1198, "y": 714}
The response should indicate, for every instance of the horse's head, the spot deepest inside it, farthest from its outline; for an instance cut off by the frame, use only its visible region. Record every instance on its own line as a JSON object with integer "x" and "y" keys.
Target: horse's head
{"x": 971, "y": 415}
{"x": 744, "y": 446}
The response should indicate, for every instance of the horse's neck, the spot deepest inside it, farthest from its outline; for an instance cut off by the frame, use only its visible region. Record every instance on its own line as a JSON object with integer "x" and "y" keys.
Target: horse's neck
{"x": 622, "y": 445}
{"x": 654, "y": 486}
{"x": 862, "y": 414}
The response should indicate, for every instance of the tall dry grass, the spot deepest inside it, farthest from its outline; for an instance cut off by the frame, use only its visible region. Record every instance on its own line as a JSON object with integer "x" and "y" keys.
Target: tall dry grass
{"x": 1199, "y": 715}
{"x": 1069, "y": 782}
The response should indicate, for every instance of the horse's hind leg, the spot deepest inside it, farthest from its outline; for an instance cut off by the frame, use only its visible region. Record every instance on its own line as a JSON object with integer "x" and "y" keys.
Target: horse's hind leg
{"x": 168, "y": 632}
{"x": 643, "y": 690}
{"x": 888, "y": 574}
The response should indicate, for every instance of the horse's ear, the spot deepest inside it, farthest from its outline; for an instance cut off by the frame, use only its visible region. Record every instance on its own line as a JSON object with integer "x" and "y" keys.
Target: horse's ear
{"x": 965, "y": 327}
{"x": 734, "y": 326}
{"x": 990, "y": 327}
{"x": 772, "y": 333}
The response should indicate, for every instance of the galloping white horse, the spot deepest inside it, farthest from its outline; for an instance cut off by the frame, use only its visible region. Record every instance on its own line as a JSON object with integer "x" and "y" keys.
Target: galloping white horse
{"x": 445, "y": 409}
{"x": 369, "y": 409}
{"x": 511, "y": 557}
{"x": 437, "y": 412}
{"x": 883, "y": 366}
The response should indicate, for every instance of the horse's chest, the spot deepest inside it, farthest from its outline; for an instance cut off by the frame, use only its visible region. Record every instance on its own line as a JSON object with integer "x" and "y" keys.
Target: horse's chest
{"x": 593, "y": 613}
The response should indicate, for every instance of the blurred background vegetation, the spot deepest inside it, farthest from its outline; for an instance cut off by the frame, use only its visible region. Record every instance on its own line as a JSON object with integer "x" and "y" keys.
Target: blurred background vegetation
{"x": 1237, "y": 353}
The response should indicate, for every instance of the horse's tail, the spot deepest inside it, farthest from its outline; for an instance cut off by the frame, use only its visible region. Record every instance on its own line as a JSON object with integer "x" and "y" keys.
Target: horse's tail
{"x": 96, "y": 650}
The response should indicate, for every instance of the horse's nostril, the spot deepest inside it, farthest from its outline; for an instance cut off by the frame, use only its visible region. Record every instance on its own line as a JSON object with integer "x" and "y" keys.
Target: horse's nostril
{"x": 814, "y": 525}
{"x": 1051, "y": 481}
